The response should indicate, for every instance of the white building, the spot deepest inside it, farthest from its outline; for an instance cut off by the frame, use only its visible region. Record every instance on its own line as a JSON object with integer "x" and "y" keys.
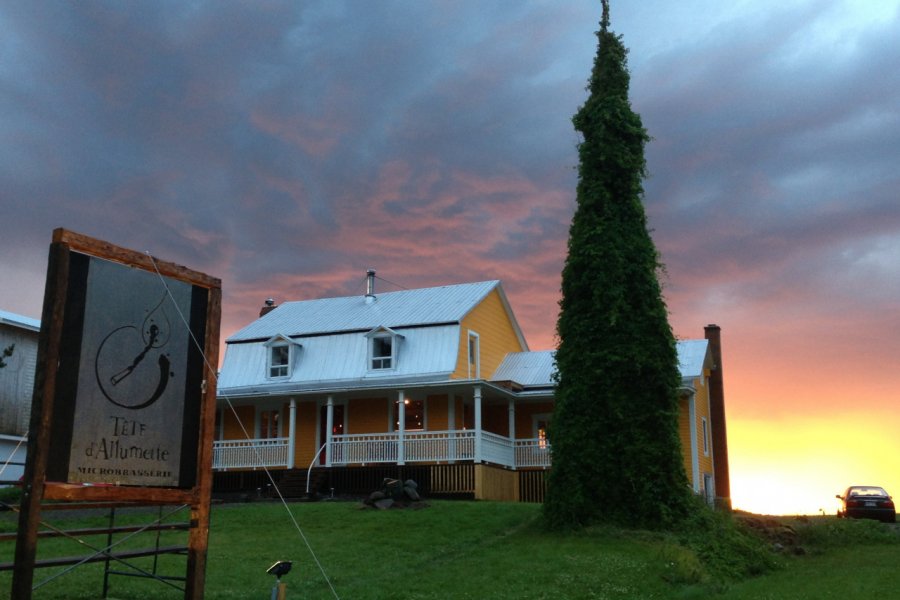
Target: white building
{"x": 16, "y": 388}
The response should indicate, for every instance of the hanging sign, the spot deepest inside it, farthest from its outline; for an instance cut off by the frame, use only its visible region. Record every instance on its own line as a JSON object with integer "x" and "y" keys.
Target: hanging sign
{"x": 128, "y": 392}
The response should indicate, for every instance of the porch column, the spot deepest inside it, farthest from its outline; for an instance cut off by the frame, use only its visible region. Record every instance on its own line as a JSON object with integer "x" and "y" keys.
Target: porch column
{"x": 477, "y": 395}
{"x": 401, "y": 428}
{"x": 292, "y": 433}
{"x": 451, "y": 427}
{"x": 329, "y": 429}
{"x": 512, "y": 431}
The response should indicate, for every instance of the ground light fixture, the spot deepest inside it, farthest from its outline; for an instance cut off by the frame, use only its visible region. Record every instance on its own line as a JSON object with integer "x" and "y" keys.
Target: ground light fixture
{"x": 280, "y": 568}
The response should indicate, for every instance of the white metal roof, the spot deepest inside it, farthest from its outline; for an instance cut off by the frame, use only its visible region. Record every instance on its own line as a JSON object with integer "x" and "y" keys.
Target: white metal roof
{"x": 527, "y": 368}
{"x": 8, "y": 318}
{"x": 535, "y": 369}
{"x": 426, "y": 306}
{"x": 692, "y": 357}
{"x": 340, "y": 360}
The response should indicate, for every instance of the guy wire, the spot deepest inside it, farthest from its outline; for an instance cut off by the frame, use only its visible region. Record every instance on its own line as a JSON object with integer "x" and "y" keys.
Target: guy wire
{"x": 214, "y": 375}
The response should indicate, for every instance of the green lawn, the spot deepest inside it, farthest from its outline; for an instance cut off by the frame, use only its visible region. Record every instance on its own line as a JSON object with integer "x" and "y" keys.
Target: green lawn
{"x": 845, "y": 559}
{"x": 482, "y": 550}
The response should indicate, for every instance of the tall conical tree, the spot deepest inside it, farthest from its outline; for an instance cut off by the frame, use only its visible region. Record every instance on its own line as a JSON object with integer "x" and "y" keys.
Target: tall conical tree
{"x": 614, "y": 433}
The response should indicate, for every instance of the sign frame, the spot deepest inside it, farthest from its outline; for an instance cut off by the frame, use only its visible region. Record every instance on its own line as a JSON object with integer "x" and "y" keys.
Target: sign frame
{"x": 194, "y": 485}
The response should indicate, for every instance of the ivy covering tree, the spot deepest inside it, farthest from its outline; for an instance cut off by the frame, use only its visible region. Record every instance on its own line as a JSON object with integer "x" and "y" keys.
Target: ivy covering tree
{"x": 616, "y": 451}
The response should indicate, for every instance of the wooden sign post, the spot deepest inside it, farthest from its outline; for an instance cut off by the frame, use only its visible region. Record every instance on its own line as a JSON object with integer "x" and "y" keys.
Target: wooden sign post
{"x": 124, "y": 398}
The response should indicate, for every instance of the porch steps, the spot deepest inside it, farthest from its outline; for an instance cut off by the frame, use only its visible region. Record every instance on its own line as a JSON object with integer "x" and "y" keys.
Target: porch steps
{"x": 293, "y": 483}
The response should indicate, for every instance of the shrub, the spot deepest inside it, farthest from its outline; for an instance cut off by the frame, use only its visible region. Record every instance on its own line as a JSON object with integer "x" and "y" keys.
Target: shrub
{"x": 836, "y": 533}
{"x": 727, "y": 550}
{"x": 10, "y": 495}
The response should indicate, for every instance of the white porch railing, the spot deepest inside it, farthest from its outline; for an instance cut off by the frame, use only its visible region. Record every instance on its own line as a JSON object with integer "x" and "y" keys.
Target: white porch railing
{"x": 363, "y": 448}
{"x": 439, "y": 446}
{"x": 497, "y": 449}
{"x": 243, "y": 454}
{"x": 418, "y": 446}
{"x": 533, "y": 453}
{"x": 374, "y": 448}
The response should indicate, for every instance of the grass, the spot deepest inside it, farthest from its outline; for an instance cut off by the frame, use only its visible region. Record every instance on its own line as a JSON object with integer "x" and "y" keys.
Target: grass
{"x": 844, "y": 559}
{"x": 491, "y": 550}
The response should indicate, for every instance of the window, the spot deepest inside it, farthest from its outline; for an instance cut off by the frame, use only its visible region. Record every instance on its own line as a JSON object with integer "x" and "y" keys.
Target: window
{"x": 382, "y": 352}
{"x": 383, "y": 343}
{"x": 474, "y": 370}
{"x": 279, "y": 361}
{"x": 280, "y": 352}
{"x": 414, "y": 413}
{"x": 268, "y": 424}
{"x": 541, "y": 423}
{"x": 705, "y": 436}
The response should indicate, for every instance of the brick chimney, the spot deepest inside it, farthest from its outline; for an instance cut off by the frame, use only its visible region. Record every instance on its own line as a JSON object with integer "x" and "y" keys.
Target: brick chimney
{"x": 713, "y": 334}
{"x": 268, "y": 307}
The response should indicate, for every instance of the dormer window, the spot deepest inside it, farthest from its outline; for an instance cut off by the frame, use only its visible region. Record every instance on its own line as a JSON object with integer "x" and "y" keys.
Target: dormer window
{"x": 280, "y": 356}
{"x": 383, "y": 343}
{"x": 382, "y": 352}
{"x": 279, "y": 360}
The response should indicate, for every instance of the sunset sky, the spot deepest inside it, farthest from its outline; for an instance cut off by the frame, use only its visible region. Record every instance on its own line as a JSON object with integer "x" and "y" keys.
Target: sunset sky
{"x": 285, "y": 147}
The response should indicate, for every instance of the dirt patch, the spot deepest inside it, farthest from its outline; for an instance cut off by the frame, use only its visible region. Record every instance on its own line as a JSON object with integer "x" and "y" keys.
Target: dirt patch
{"x": 781, "y": 536}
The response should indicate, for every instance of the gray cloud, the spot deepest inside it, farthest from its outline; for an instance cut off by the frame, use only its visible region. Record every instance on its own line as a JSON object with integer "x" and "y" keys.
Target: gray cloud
{"x": 287, "y": 146}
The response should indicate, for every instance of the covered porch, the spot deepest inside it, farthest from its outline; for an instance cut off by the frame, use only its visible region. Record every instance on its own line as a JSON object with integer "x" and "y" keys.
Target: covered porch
{"x": 390, "y": 448}
{"x": 410, "y": 442}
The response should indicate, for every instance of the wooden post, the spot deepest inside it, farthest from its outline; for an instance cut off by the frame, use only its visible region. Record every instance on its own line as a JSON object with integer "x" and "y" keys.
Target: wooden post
{"x": 198, "y": 539}
{"x": 41, "y": 418}
{"x": 281, "y": 591}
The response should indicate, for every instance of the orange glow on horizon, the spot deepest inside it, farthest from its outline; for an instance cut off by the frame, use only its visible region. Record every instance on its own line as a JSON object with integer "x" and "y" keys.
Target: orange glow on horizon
{"x": 795, "y": 466}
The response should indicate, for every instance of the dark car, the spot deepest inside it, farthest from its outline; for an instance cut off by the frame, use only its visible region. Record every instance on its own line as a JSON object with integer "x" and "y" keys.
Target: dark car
{"x": 867, "y": 502}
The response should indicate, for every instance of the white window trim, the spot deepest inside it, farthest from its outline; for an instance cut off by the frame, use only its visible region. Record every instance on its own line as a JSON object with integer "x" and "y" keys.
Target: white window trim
{"x": 390, "y": 359}
{"x": 280, "y": 341}
{"x": 695, "y": 453}
{"x": 259, "y": 412}
{"x": 704, "y": 424}
{"x": 283, "y": 369}
{"x": 537, "y": 418}
{"x": 477, "y": 362}
{"x": 378, "y": 333}
{"x": 709, "y": 488}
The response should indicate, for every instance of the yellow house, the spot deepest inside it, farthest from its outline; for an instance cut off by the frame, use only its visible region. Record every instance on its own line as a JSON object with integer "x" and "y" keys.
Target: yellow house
{"x": 434, "y": 384}
{"x": 695, "y": 423}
